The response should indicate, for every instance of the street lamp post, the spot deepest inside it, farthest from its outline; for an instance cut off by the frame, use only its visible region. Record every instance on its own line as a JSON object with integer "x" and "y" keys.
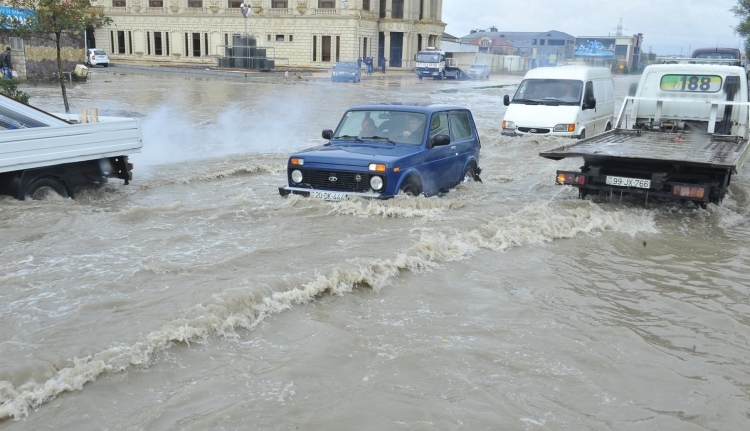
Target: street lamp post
{"x": 245, "y": 8}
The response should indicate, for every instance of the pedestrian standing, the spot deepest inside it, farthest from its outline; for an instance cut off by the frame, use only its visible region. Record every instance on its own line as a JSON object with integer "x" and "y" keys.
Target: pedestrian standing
{"x": 382, "y": 68}
{"x": 6, "y": 63}
{"x": 369, "y": 65}
{"x": 359, "y": 62}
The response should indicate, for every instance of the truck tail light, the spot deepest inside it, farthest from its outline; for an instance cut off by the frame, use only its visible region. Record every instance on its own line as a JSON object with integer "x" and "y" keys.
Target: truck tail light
{"x": 689, "y": 192}
{"x": 570, "y": 178}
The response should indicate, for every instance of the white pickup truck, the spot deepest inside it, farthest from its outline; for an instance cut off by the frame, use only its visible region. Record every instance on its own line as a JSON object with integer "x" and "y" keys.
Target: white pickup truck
{"x": 42, "y": 153}
{"x": 684, "y": 138}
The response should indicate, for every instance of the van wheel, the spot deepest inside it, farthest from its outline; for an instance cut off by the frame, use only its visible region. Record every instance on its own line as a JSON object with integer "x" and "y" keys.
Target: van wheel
{"x": 608, "y": 128}
{"x": 582, "y": 135}
{"x": 41, "y": 188}
{"x": 411, "y": 188}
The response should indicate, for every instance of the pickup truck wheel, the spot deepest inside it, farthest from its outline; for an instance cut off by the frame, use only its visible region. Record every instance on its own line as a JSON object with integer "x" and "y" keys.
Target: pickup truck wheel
{"x": 43, "y": 187}
{"x": 411, "y": 188}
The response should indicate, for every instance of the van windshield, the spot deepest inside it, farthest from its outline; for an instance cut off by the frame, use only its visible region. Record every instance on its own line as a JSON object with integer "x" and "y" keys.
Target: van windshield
{"x": 548, "y": 92}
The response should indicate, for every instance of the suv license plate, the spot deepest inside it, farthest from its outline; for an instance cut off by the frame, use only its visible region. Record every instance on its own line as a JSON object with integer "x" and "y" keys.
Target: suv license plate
{"x": 330, "y": 196}
{"x": 629, "y": 182}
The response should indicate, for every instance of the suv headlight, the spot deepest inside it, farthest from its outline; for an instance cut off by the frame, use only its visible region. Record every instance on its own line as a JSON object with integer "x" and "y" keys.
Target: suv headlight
{"x": 376, "y": 183}
{"x": 509, "y": 125}
{"x": 297, "y": 176}
{"x": 565, "y": 128}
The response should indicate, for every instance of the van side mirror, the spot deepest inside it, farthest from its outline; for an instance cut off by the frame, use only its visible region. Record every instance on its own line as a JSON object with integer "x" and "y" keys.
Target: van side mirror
{"x": 633, "y": 88}
{"x": 327, "y": 134}
{"x": 440, "y": 140}
{"x": 506, "y": 100}
{"x": 590, "y": 103}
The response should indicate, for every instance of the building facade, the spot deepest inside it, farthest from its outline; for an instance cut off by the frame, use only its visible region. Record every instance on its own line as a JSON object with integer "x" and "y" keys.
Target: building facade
{"x": 539, "y": 48}
{"x": 295, "y": 33}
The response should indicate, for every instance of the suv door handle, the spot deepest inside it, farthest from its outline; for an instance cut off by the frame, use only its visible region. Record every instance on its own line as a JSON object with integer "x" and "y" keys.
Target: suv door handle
{"x": 453, "y": 147}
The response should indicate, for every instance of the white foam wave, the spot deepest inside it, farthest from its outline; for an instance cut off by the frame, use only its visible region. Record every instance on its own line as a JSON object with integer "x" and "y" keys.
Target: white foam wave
{"x": 240, "y": 309}
{"x": 398, "y": 207}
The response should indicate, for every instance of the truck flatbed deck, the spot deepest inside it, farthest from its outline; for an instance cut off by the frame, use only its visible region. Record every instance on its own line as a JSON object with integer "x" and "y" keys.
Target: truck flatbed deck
{"x": 688, "y": 149}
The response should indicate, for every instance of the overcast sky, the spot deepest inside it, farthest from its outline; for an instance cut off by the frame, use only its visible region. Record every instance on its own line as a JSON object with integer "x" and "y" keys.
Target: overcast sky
{"x": 668, "y": 27}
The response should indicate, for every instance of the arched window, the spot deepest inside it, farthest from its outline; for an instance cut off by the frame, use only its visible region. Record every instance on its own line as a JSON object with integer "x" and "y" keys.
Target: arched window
{"x": 486, "y": 42}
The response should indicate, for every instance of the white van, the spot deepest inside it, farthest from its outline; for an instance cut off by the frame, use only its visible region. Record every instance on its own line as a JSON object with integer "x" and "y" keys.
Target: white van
{"x": 573, "y": 101}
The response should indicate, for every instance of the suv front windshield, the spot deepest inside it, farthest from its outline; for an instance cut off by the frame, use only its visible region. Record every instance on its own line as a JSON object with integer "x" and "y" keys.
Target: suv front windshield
{"x": 393, "y": 127}
{"x": 548, "y": 92}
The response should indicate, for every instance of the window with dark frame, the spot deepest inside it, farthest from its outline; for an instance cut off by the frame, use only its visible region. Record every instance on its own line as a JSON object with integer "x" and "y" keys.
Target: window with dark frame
{"x": 121, "y": 42}
{"x": 365, "y": 4}
{"x": 205, "y": 43}
{"x": 325, "y": 4}
{"x": 155, "y": 3}
{"x": 280, "y": 4}
{"x": 338, "y": 48}
{"x": 315, "y": 48}
{"x": 130, "y": 42}
{"x": 148, "y": 43}
{"x": 325, "y": 51}
{"x": 166, "y": 39}
{"x": 157, "y": 43}
{"x": 291, "y": 37}
{"x": 397, "y": 9}
{"x": 195, "y": 3}
{"x": 196, "y": 44}
{"x": 279, "y": 38}
{"x": 235, "y": 4}
{"x": 119, "y": 3}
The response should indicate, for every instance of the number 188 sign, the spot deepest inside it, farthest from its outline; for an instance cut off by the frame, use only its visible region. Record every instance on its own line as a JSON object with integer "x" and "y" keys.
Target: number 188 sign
{"x": 691, "y": 83}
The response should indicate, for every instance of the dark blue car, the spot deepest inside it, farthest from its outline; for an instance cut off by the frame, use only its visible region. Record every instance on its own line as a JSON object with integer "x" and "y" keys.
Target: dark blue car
{"x": 378, "y": 151}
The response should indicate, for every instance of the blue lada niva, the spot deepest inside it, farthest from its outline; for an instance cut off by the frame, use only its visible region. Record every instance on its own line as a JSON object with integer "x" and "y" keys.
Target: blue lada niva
{"x": 378, "y": 151}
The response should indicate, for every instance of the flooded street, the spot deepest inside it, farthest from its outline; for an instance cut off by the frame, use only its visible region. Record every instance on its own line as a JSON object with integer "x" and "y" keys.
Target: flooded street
{"x": 196, "y": 298}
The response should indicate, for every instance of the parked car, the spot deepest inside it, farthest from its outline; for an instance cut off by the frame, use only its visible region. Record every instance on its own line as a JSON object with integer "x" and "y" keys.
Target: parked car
{"x": 479, "y": 71}
{"x": 96, "y": 57}
{"x": 346, "y": 71}
{"x": 378, "y": 151}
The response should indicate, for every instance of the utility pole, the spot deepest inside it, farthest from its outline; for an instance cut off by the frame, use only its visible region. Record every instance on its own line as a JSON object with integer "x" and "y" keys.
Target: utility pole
{"x": 245, "y": 8}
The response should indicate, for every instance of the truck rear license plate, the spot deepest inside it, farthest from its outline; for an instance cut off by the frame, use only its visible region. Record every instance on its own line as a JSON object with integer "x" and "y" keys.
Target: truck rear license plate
{"x": 330, "y": 196}
{"x": 629, "y": 182}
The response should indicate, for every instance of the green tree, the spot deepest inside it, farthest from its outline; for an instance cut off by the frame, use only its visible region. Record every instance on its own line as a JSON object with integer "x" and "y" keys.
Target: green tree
{"x": 9, "y": 87}
{"x": 49, "y": 19}
{"x": 742, "y": 11}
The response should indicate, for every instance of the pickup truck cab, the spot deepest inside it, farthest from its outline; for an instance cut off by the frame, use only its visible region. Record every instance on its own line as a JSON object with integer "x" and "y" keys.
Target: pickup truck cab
{"x": 378, "y": 151}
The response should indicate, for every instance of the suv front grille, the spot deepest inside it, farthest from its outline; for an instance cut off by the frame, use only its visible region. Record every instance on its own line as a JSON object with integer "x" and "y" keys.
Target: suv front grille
{"x": 344, "y": 181}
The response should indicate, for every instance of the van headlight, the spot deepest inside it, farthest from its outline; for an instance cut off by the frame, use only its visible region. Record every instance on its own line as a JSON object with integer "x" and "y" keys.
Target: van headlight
{"x": 376, "y": 183}
{"x": 297, "y": 176}
{"x": 509, "y": 125}
{"x": 565, "y": 128}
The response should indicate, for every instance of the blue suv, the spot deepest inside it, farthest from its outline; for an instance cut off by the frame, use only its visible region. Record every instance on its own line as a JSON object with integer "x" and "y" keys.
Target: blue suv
{"x": 378, "y": 151}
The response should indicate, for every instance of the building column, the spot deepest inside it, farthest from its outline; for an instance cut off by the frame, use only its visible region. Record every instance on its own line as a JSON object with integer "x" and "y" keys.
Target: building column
{"x": 406, "y": 51}
{"x": 387, "y": 45}
{"x": 425, "y": 41}
{"x": 427, "y": 7}
{"x": 439, "y": 10}
{"x": 388, "y": 8}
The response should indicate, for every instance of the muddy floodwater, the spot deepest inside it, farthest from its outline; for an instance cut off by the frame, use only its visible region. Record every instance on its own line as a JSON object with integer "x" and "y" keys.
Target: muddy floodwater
{"x": 196, "y": 298}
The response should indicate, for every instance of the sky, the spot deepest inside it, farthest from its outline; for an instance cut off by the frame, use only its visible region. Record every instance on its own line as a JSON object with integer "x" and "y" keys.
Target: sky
{"x": 669, "y": 27}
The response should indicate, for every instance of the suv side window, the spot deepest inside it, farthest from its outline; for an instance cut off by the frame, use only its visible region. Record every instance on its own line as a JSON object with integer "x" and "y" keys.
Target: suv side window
{"x": 439, "y": 125}
{"x": 460, "y": 126}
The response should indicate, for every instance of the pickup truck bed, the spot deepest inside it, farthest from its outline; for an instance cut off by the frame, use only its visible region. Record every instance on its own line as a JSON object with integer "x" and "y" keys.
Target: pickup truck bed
{"x": 723, "y": 152}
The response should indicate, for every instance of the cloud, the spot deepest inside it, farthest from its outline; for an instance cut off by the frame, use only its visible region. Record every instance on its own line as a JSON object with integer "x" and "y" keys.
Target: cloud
{"x": 667, "y": 27}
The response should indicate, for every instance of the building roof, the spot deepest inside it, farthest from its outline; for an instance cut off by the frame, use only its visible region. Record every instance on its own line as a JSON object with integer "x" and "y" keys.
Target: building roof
{"x": 496, "y": 42}
{"x": 449, "y": 37}
{"x": 517, "y": 35}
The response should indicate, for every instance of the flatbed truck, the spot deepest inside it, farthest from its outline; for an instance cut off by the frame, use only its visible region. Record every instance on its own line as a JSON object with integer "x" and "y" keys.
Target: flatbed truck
{"x": 42, "y": 153}
{"x": 684, "y": 138}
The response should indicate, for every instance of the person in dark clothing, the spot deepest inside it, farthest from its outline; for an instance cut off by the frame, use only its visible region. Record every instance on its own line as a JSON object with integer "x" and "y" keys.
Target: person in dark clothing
{"x": 359, "y": 62}
{"x": 6, "y": 64}
{"x": 382, "y": 67}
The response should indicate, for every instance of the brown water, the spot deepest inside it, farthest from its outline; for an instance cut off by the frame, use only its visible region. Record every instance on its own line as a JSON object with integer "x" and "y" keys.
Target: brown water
{"x": 197, "y": 298}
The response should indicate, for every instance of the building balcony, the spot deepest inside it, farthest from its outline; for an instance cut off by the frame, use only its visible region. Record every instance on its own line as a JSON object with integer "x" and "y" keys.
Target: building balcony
{"x": 324, "y": 11}
{"x": 279, "y": 11}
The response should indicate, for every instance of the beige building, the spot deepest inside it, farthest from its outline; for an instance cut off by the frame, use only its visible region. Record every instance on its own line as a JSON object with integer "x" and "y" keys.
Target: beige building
{"x": 295, "y": 33}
